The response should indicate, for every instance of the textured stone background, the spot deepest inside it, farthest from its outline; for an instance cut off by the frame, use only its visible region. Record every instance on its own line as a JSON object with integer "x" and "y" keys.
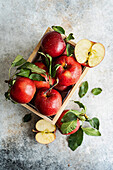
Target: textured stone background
{"x": 22, "y": 24}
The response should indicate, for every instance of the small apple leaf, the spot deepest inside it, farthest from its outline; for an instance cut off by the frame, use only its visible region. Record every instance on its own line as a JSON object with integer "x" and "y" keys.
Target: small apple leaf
{"x": 70, "y": 37}
{"x": 46, "y": 59}
{"x": 55, "y": 68}
{"x": 27, "y": 117}
{"x": 96, "y": 91}
{"x": 75, "y": 140}
{"x": 68, "y": 117}
{"x": 37, "y": 77}
{"x": 91, "y": 131}
{"x": 68, "y": 126}
{"x": 32, "y": 67}
{"x": 83, "y": 89}
{"x": 69, "y": 50}
{"x": 7, "y": 95}
{"x": 11, "y": 82}
{"x": 24, "y": 72}
{"x": 94, "y": 122}
{"x": 18, "y": 61}
{"x": 50, "y": 63}
{"x": 80, "y": 104}
{"x": 58, "y": 29}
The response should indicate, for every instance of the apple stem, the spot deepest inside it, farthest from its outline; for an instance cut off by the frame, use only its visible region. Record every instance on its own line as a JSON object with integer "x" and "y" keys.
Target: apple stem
{"x": 52, "y": 86}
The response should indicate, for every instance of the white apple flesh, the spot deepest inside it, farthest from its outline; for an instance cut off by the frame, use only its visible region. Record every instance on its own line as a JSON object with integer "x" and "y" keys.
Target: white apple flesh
{"x": 44, "y": 132}
{"x": 43, "y": 125}
{"x": 89, "y": 53}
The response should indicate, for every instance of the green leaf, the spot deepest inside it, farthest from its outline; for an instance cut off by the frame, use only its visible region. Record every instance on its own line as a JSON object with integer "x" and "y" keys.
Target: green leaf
{"x": 68, "y": 117}
{"x": 18, "y": 61}
{"x": 91, "y": 131}
{"x": 37, "y": 77}
{"x": 78, "y": 114}
{"x": 7, "y": 95}
{"x": 27, "y": 118}
{"x": 83, "y": 89}
{"x": 94, "y": 122}
{"x": 80, "y": 104}
{"x": 69, "y": 50}
{"x": 68, "y": 126}
{"x": 55, "y": 68}
{"x": 58, "y": 29}
{"x": 75, "y": 140}
{"x": 11, "y": 82}
{"x": 50, "y": 63}
{"x": 24, "y": 72}
{"x": 46, "y": 59}
{"x": 32, "y": 67}
{"x": 70, "y": 37}
{"x": 96, "y": 91}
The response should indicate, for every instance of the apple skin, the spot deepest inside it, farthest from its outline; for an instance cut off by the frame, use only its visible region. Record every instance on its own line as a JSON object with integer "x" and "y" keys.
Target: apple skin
{"x": 69, "y": 72}
{"x": 59, "y": 123}
{"x": 53, "y": 44}
{"x": 60, "y": 87}
{"x": 41, "y": 84}
{"x": 48, "y": 104}
{"x": 23, "y": 90}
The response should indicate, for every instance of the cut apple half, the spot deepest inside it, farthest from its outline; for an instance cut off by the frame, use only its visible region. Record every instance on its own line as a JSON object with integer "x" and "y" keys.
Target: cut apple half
{"x": 89, "y": 53}
{"x": 45, "y": 138}
{"x": 44, "y": 131}
{"x": 45, "y": 126}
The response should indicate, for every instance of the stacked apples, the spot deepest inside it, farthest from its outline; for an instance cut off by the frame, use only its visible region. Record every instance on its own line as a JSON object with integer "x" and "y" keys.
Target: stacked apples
{"x": 66, "y": 65}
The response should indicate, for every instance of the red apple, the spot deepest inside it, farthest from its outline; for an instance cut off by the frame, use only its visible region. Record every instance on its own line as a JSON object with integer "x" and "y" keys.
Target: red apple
{"x": 69, "y": 72}
{"x": 53, "y": 44}
{"x": 48, "y": 104}
{"x": 60, "y": 87}
{"x": 23, "y": 90}
{"x": 59, "y": 123}
{"x": 41, "y": 84}
{"x": 89, "y": 53}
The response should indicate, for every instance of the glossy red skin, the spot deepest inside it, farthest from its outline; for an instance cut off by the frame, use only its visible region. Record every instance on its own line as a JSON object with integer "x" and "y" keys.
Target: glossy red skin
{"x": 23, "y": 90}
{"x": 60, "y": 87}
{"x": 41, "y": 84}
{"x": 53, "y": 44}
{"x": 69, "y": 75}
{"x": 48, "y": 104}
{"x": 59, "y": 123}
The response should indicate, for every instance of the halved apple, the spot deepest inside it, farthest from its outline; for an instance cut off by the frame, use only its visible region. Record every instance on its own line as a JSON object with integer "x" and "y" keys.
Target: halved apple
{"x": 44, "y": 132}
{"x": 45, "y": 126}
{"x": 89, "y": 53}
{"x": 45, "y": 138}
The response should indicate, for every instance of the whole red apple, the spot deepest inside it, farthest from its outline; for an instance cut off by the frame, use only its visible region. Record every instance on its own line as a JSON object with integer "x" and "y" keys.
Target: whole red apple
{"x": 59, "y": 123}
{"x": 41, "y": 84}
{"x": 23, "y": 90}
{"x": 69, "y": 72}
{"x": 53, "y": 44}
{"x": 48, "y": 104}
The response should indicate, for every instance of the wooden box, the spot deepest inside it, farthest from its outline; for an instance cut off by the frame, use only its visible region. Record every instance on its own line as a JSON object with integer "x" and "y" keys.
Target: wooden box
{"x": 32, "y": 108}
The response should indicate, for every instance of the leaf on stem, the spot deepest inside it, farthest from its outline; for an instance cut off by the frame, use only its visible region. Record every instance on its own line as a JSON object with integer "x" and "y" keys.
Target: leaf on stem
{"x": 58, "y": 29}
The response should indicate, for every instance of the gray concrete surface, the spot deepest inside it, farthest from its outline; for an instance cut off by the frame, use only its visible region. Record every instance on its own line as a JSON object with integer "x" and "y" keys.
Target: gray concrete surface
{"x": 22, "y": 24}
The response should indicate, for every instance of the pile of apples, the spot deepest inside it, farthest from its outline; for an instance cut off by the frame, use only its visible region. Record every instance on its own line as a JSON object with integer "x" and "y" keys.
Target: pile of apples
{"x": 48, "y": 100}
{"x": 67, "y": 61}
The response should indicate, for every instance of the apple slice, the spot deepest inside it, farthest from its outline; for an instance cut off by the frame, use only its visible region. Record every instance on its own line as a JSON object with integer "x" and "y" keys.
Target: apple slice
{"x": 89, "y": 53}
{"x": 44, "y": 132}
{"x": 45, "y": 138}
{"x": 45, "y": 126}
